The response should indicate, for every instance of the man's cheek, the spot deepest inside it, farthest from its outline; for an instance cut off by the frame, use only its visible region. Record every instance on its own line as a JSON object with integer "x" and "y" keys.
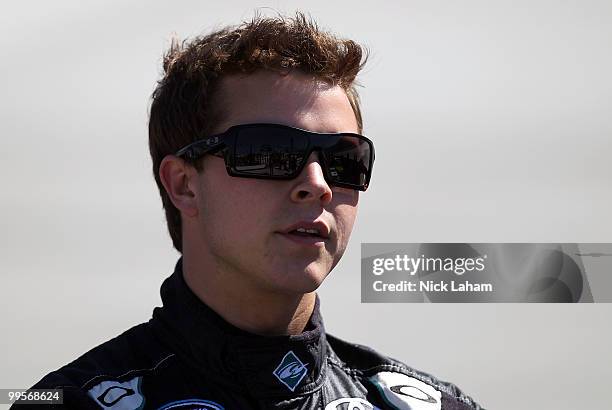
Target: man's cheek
{"x": 346, "y": 221}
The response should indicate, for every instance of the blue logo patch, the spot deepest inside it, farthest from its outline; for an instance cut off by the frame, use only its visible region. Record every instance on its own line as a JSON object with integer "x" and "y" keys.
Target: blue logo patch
{"x": 193, "y": 404}
{"x": 290, "y": 371}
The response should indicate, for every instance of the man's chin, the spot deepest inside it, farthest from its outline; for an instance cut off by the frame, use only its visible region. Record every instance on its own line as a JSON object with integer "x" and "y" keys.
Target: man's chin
{"x": 302, "y": 281}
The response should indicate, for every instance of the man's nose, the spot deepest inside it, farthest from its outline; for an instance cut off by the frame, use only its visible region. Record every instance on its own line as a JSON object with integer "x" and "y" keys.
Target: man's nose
{"x": 310, "y": 184}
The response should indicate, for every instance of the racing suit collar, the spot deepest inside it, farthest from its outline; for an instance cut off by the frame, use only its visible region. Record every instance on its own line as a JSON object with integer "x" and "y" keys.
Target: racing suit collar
{"x": 277, "y": 366}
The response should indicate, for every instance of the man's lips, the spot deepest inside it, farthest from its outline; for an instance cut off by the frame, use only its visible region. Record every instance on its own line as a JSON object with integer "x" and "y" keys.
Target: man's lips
{"x": 307, "y": 233}
{"x": 306, "y": 229}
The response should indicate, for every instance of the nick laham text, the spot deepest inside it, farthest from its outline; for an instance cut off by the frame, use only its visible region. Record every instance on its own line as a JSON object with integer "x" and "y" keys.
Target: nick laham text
{"x": 432, "y": 286}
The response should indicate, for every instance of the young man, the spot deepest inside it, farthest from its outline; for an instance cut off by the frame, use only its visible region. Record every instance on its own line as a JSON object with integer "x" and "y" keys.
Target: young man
{"x": 256, "y": 147}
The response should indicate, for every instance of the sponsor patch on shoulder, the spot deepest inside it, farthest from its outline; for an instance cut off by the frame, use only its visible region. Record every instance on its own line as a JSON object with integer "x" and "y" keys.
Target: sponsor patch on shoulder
{"x": 116, "y": 395}
{"x": 351, "y": 403}
{"x": 403, "y": 392}
{"x": 192, "y": 404}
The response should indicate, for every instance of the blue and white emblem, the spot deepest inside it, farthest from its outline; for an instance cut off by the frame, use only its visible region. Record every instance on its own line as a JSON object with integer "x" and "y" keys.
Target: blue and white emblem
{"x": 290, "y": 371}
{"x": 193, "y": 404}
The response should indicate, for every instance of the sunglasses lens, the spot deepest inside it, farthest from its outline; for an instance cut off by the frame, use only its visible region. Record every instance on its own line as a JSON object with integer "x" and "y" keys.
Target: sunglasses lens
{"x": 269, "y": 152}
{"x": 277, "y": 152}
{"x": 349, "y": 161}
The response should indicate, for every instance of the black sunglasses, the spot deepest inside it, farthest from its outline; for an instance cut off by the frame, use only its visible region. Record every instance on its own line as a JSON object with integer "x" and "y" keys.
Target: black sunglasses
{"x": 274, "y": 151}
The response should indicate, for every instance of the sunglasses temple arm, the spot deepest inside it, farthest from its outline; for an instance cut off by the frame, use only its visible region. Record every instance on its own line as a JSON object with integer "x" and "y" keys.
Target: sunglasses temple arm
{"x": 199, "y": 148}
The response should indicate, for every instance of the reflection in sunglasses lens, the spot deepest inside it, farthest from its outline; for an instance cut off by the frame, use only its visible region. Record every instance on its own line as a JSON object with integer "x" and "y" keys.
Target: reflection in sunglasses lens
{"x": 349, "y": 160}
{"x": 274, "y": 153}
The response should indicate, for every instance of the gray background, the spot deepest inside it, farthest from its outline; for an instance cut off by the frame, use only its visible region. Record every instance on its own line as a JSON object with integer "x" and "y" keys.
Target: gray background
{"x": 491, "y": 121}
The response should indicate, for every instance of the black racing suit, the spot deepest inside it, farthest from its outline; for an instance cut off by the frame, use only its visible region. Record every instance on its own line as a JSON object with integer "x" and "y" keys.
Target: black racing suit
{"x": 188, "y": 357}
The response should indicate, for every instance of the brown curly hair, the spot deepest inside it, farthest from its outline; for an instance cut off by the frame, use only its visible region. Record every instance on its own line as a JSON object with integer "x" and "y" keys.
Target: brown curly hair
{"x": 181, "y": 109}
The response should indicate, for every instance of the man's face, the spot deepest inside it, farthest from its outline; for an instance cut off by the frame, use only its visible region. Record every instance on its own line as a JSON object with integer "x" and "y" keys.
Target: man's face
{"x": 242, "y": 222}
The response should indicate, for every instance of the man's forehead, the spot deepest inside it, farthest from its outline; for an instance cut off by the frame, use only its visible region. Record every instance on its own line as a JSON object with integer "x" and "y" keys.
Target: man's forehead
{"x": 268, "y": 96}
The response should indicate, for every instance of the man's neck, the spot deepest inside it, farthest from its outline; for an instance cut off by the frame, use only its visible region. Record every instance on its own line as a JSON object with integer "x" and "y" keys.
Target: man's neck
{"x": 254, "y": 310}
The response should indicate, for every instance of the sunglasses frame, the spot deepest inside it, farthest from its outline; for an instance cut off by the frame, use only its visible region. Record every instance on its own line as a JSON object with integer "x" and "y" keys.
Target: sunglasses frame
{"x": 223, "y": 145}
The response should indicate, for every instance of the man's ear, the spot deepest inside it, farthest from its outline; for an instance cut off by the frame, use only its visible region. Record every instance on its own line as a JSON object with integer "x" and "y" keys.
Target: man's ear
{"x": 177, "y": 177}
